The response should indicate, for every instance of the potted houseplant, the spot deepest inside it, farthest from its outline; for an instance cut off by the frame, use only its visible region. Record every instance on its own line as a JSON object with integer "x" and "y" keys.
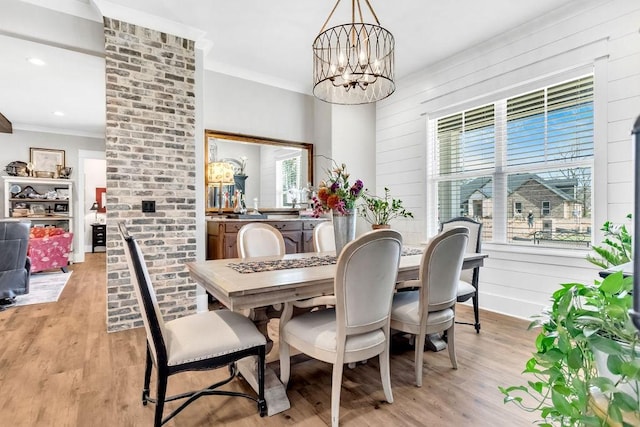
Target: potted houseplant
{"x": 379, "y": 211}
{"x": 586, "y": 368}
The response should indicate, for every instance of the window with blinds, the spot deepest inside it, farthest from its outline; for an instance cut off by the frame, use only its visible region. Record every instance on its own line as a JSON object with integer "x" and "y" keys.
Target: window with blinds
{"x": 522, "y": 166}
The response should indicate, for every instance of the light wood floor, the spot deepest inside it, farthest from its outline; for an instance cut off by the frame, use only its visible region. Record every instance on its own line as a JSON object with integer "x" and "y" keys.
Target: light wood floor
{"x": 59, "y": 367}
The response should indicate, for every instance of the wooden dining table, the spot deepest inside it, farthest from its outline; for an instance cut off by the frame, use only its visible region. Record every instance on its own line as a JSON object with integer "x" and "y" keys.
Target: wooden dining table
{"x": 262, "y": 294}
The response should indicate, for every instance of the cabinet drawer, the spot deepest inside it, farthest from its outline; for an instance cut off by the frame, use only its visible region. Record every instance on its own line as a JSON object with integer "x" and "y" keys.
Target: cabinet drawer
{"x": 310, "y": 225}
{"x": 286, "y": 225}
{"x": 233, "y": 227}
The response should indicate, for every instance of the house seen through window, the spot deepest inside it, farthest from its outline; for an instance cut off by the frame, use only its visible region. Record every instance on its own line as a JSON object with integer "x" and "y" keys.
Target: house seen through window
{"x": 522, "y": 166}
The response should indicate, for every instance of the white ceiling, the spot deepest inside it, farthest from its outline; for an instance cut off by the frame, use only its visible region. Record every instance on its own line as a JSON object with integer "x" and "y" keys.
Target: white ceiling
{"x": 265, "y": 41}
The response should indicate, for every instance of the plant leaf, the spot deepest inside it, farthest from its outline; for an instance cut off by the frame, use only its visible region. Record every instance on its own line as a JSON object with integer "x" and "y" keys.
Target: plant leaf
{"x": 574, "y": 359}
{"x": 561, "y": 404}
{"x": 626, "y": 402}
{"x": 603, "y": 383}
{"x": 614, "y": 364}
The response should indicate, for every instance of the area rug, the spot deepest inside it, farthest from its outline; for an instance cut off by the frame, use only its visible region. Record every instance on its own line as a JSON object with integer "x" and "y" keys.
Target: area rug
{"x": 44, "y": 287}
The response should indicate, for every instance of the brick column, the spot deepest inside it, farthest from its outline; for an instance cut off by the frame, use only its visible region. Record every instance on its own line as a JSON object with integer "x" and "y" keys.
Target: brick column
{"x": 150, "y": 151}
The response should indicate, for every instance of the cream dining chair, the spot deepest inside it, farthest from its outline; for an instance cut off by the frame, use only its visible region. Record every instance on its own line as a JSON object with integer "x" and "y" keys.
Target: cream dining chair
{"x": 431, "y": 308}
{"x": 469, "y": 279}
{"x": 258, "y": 239}
{"x": 323, "y": 238}
{"x": 356, "y": 326}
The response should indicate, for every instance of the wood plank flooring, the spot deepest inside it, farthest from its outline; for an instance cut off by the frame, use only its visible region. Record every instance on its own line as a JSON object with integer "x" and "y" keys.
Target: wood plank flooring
{"x": 59, "y": 367}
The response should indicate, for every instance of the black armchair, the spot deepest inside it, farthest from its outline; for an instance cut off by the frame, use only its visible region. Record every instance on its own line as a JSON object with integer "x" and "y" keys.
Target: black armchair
{"x": 15, "y": 266}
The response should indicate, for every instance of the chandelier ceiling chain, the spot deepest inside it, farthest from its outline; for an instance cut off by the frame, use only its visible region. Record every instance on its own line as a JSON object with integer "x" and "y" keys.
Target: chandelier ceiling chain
{"x": 353, "y": 63}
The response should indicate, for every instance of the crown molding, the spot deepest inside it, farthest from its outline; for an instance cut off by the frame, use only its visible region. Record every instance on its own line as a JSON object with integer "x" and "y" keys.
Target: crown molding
{"x": 147, "y": 20}
{"x": 256, "y": 77}
{"x": 81, "y": 9}
{"x": 60, "y": 131}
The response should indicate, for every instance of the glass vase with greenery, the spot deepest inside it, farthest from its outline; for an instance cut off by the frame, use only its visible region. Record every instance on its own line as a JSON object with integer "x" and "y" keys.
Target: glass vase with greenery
{"x": 381, "y": 210}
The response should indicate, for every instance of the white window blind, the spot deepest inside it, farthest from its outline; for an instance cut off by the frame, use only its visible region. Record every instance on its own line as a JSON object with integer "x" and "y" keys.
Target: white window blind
{"x": 551, "y": 125}
{"x": 525, "y": 156}
{"x": 466, "y": 142}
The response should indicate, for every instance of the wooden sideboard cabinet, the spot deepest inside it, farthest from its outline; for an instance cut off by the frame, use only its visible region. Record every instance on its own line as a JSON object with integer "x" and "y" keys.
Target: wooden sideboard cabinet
{"x": 222, "y": 235}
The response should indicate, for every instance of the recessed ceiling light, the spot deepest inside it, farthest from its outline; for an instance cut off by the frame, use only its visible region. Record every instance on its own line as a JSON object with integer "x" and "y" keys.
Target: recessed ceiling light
{"x": 36, "y": 61}
{"x": 58, "y": 113}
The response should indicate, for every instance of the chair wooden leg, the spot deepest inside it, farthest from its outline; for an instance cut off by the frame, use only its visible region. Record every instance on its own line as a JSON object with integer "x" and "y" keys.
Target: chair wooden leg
{"x": 420, "y": 338}
{"x": 262, "y": 404}
{"x": 147, "y": 378}
{"x": 161, "y": 394}
{"x": 476, "y": 312}
{"x": 385, "y": 374}
{"x": 451, "y": 345}
{"x": 336, "y": 385}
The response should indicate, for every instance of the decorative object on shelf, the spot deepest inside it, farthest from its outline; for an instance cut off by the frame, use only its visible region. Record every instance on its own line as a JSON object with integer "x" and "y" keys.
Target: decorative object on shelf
{"x": 17, "y": 168}
{"x": 336, "y": 195}
{"x": 46, "y": 160}
{"x": 44, "y": 174}
{"x": 585, "y": 369}
{"x": 353, "y": 63}
{"x": 28, "y": 192}
{"x": 239, "y": 182}
{"x": 61, "y": 208}
{"x": 15, "y": 189}
{"x": 36, "y": 209}
{"x": 379, "y": 211}
{"x": 63, "y": 192}
{"x": 94, "y": 207}
{"x": 64, "y": 172}
{"x": 220, "y": 173}
{"x": 20, "y": 212}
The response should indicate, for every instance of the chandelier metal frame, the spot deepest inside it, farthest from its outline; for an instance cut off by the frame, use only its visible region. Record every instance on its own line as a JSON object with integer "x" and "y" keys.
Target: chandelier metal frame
{"x": 353, "y": 63}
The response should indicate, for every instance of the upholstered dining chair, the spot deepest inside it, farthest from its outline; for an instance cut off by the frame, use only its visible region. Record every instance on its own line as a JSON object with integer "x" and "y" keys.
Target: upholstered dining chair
{"x": 430, "y": 308}
{"x": 202, "y": 341}
{"x": 356, "y": 325}
{"x": 258, "y": 239}
{"x": 469, "y": 279}
{"x": 323, "y": 238}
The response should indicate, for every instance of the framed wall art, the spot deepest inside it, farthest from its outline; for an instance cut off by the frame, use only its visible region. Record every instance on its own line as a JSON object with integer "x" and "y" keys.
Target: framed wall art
{"x": 101, "y": 198}
{"x": 46, "y": 159}
{"x": 61, "y": 207}
{"x": 63, "y": 193}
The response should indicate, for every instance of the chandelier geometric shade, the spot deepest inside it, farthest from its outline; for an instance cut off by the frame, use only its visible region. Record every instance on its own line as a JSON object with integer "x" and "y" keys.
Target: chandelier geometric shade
{"x": 353, "y": 63}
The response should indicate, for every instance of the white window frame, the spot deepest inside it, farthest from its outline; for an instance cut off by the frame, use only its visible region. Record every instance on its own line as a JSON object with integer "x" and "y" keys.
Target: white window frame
{"x": 597, "y": 162}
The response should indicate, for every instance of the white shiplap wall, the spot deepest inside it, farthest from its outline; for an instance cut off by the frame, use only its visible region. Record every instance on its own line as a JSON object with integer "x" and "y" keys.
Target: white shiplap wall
{"x": 601, "y": 37}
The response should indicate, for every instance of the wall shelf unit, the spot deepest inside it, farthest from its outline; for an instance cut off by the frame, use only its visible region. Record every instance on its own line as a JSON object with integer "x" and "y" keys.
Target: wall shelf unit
{"x": 43, "y": 201}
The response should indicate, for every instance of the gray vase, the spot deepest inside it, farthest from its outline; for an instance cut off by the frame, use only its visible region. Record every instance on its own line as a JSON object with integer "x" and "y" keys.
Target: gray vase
{"x": 344, "y": 229}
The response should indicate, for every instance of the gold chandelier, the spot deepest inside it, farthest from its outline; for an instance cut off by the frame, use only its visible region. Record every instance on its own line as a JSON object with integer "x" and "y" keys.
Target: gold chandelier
{"x": 353, "y": 62}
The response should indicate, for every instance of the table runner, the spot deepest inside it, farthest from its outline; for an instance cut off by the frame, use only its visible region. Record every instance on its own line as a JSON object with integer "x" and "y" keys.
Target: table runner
{"x": 284, "y": 264}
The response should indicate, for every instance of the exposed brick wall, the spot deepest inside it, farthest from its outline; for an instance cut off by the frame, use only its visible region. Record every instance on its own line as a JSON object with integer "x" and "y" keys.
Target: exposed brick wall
{"x": 150, "y": 151}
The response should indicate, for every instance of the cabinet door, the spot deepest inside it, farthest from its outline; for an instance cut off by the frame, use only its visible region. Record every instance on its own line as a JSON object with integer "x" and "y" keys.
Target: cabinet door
{"x": 292, "y": 241}
{"x": 307, "y": 237}
{"x": 230, "y": 245}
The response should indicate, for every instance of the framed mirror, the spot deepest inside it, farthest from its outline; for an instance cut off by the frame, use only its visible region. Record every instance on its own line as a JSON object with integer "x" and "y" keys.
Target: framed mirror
{"x": 270, "y": 174}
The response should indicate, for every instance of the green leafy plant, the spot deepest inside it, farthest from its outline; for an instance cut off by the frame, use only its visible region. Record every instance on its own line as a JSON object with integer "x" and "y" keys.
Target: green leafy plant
{"x": 586, "y": 368}
{"x": 616, "y": 247}
{"x": 582, "y": 320}
{"x": 381, "y": 210}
